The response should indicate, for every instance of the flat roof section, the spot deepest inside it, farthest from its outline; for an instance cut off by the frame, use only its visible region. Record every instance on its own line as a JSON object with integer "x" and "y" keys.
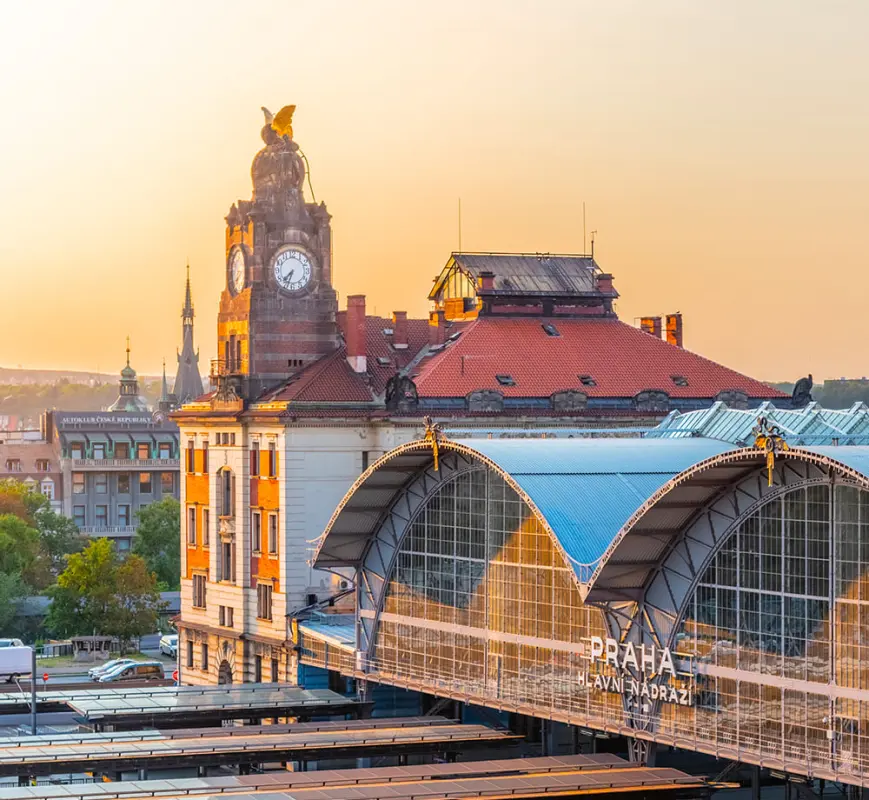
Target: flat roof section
{"x": 104, "y": 701}
{"x": 588, "y": 773}
{"x": 179, "y": 705}
{"x": 282, "y": 743}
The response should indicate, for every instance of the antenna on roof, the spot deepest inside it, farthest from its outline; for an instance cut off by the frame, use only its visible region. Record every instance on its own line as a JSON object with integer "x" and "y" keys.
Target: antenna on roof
{"x": 592, "y": 244}
{"x": 584, "y": 240}
{"x": 460, "y": 224}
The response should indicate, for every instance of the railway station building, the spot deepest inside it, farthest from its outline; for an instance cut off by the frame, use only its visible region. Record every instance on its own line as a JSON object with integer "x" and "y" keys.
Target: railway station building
{"x": 703, "y": 587}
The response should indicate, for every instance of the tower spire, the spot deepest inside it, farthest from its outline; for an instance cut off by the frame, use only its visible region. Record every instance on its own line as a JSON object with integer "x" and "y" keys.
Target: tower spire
{"x": 188, "y": 381}
{"x": 164, "y": 395}
{"x": 128, "y": 350}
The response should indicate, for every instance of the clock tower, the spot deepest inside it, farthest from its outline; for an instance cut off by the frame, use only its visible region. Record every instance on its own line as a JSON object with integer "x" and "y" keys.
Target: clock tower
{"x": 277, "y": 311}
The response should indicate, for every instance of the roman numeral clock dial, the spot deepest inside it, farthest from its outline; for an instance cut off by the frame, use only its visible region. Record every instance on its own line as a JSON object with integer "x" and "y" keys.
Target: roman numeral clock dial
{"x": 293, "y": 269}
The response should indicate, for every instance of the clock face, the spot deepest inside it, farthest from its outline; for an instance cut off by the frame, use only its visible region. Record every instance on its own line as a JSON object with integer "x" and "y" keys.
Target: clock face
{"x": 293, "y": 269}
{"x": 237, "y": 274}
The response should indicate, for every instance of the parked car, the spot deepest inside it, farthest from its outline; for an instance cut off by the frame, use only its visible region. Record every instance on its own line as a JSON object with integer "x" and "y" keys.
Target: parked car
{"x": 169, "y": 645}
{"x": 95, "y": 672}
{"x": 138, "y": 671}
{"x": 12, "y": 643}
{"x": 15, "y": 660}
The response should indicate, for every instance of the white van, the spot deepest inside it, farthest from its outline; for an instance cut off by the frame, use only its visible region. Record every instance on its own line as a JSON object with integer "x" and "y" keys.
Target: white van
{"x": 15, "y": 660}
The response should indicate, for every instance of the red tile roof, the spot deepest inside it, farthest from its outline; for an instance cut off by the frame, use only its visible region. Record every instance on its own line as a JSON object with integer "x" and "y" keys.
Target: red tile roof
{"x": 622, "y": 361}
{"x": 328, "y": 380}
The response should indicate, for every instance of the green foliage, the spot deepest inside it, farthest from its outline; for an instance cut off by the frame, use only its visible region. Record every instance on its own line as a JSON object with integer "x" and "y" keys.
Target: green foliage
{"x": 101, "y": 593}
{"x": 20, "y": 553}
{"x": 12, "y": 589}
{"x": 158, "y": 540}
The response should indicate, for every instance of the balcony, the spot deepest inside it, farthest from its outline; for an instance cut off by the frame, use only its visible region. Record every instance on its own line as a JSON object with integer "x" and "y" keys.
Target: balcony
{"x": 125, "y": 464}
{"x": 107, "y": 531}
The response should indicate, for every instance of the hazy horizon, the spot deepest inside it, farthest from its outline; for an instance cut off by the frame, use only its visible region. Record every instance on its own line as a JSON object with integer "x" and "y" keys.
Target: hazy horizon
{"x": 720, "y": 151}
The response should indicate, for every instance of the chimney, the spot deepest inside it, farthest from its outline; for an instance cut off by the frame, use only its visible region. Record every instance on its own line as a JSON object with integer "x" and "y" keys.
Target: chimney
{"x": 399, "y": 330}
{"x": 437, "y": 327}
{"x": 651, "y": 325}
{"x": 604, "y": 282}
{"x": 487, "y": 281}
{"x": 674, "y": 329}
{"x": 354, "y": 335}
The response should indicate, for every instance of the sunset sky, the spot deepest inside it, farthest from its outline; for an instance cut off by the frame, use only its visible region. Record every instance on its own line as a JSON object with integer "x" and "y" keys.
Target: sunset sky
{"x": 722, "y": 151}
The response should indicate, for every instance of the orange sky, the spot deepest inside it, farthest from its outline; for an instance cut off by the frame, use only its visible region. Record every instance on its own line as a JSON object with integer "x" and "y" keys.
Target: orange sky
{"x": 721, "y": 150}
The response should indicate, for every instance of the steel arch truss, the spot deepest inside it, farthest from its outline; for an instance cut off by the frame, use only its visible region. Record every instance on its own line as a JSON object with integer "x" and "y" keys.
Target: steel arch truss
{"x": 379, "y": 559}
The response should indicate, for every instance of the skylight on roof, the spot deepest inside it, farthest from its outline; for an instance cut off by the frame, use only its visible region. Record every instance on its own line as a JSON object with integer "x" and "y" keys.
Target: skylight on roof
{"x": 384, "y": 361}
{"x": 505, "y": 380}
{"x": 587, "y": 380}
{"x": 454, "y": 336}
{"x": 388, "y": 331}
{"x": 679, "y": 380}
{"x": 550, "y": 329}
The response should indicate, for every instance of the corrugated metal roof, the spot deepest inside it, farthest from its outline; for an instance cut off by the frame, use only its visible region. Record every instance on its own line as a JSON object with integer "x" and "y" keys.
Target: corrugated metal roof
{"x": 812, "y": 425}
{"x": 533, "y": 272}
{"x": 587, "y": 489}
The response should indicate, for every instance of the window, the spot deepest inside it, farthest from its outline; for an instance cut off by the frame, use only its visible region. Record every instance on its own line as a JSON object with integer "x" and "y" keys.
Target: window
{"x": 144, "y": 483}
{"x": 124, "y": 483}
{"x": 189, "y": 653}
{"x": 679, "y": 380}
{"x": 206, "y": 524}
{"x": 191, "y": 526}
{"x": 254, "y": 459}
{"x": 191, "y": 456}
{"x": 232, "y": 439}
{"x": 13, "y": 465}
{"x": 122, "y": 450}
{"x": 205, "y": 457}
{"x": 226, "y": 562}
{"x": 43, "y": 465}
{"x": 255, "y": 531}
{"x": 164, "y": 450}
{"x": 101, "y": 483}
{"x": 275, "y": 673}
{"x": 550, "y": 330}
{"x": 78, "y": 483}
{"x": 123, "y": 515}
{"x": 98, "y": 451}
{"x": 384, "y": 361}
{"x": 257, "y": 669}
{"x": 365, "y": 460}
{"x": 143, "y": 450}
{"x": 203, "y": 665}
{"x": 505, "y": 380}
{"x": 273, "y": 533}
{"x": 102, "y": 516}
{"x": 78, "y": 516}
{"x": 224, "y": 616}
{"x": 199, "y": 591}
{"x": 122, "y": 544}
{"x": 587, "y": 380}
{"x": 273, "y": 460}
{"x": 47, "y": 489}
{"x": 76, "y": 450}
{"x": 225, "y": 487}
{"x": 264, "y": 600}
{"x": 167, "y": 483}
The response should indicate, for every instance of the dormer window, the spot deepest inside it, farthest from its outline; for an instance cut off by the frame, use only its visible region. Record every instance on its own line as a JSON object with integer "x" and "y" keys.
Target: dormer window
{"x": 505, "y": 380}
{"x": 550, "y": 330}
{"x": 383, "y": 361}
{"x": 679, "y": 380}
{"x": 587, "y": 380}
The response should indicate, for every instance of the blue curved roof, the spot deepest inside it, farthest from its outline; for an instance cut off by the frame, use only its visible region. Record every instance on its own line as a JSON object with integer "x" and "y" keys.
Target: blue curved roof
{"x": 853, "y": 456}
{"x": 587, "y": 489}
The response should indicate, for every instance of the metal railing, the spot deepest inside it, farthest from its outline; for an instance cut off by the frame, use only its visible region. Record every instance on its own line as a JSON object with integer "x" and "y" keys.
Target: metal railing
{"x": 221, "y": 368}
{"x": 124, "y": 463}
{"x": 108, "y": 530}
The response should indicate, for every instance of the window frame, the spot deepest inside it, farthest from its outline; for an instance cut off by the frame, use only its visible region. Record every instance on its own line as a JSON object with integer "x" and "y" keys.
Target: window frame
{"x": 273, "y": 529}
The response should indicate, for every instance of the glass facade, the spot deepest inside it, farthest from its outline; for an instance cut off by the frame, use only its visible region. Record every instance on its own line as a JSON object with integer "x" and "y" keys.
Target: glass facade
{"x": 482, "y": 603}
{"x": 773, "y": 642}
{"x": 779, "y": 629}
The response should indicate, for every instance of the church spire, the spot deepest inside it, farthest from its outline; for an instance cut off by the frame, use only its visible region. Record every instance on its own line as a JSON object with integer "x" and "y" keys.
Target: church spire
{"x": 164, "y": 394}
{"x": 188, "y": 381}
{"x": 187, "y": 310}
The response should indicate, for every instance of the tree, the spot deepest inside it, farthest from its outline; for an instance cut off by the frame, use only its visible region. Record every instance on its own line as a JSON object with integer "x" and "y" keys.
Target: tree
{"x": 99, "y": 592}
{"x": 20, "y": 552}
{"x": 158, "y": 540}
